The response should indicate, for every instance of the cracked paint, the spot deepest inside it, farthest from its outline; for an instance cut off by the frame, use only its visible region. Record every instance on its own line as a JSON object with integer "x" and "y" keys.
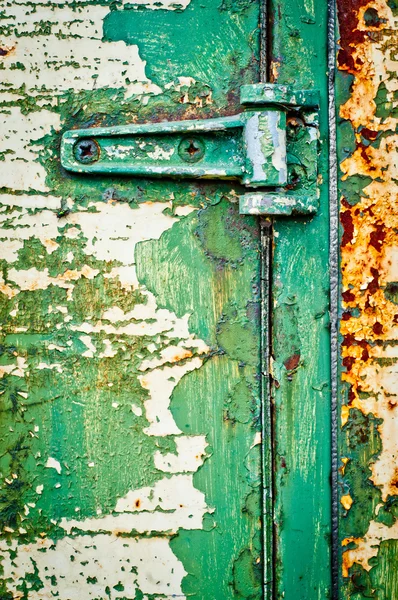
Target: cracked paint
{"x": 95, "y": 63}
{"x": 368, "y": 41}
{"x": 130, "y": 415}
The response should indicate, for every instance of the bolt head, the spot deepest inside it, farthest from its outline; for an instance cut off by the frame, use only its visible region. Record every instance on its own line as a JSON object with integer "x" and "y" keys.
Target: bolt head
{"x": 191, "y": 149}
{"x": 86, "y": 151}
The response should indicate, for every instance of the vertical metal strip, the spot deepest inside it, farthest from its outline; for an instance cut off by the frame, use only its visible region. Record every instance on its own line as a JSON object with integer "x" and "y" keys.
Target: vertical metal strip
{"x": 264, "y": 40}
{"x": 300, "y": 333}
{"x": 334, "y": 284}
{"x": 266, "y": 412}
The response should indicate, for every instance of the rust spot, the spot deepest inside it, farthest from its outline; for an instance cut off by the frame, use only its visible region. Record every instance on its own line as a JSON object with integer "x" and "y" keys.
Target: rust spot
{"x": 377, "y": 236}
{"x": 349, "y": 340}
{"x": 348, "y": 226}
{"x": 137, "y": 503}
{"x": 181, "y": 354}
{"x": 374, "y": 283}
{"x": 348, "y": 361}
{"x": 369, "y": 134}
{"x": 394, "y": 479}
{"x": 6, "y": 50}
{"x": 351, "y": 395}
{"x": 348, "y": 296}
{"x": 346, "y": 501}
{"x": 292, "y": 362}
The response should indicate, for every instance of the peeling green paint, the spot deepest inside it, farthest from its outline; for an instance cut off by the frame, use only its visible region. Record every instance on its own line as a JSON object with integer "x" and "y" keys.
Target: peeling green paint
{"x": 300, "y": 332}
{"x": 130, "y": 367}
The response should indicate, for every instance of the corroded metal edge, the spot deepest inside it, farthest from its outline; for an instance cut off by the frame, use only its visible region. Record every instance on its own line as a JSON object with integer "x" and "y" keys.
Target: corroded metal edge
{"x": 334, "y": 288}
{"x": 366, "y": 93}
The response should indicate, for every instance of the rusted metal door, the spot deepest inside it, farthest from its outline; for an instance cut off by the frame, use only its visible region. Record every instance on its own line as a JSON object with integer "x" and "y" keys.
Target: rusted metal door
{"x": 165, "y": 377}
{"x": 366, "y": 95}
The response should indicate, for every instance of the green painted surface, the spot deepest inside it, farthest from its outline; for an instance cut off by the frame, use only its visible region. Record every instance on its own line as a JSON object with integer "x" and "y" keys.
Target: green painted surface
{"x": 255, "y": 147}
{"x": 130, "y": 444}
{"x": 131, "y": 341}
{"x": 300, "y": 338}
{"x": 210, "y": 149}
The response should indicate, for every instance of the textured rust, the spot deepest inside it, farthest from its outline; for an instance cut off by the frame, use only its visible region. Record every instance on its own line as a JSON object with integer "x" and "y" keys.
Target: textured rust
{"x": 369, "y": 253}
{"x": 292, "y": 362}
{"x": 348, "y": 226}
{"x": 349, "y": 33}
{"x": 369, "y": 134}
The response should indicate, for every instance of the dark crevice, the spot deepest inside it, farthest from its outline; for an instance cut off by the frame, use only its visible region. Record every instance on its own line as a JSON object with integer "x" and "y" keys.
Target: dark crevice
{"x": 266, "y": 232}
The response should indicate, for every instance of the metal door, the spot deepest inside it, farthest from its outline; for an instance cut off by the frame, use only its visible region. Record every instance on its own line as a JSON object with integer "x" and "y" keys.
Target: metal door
{"x": 165, "y": 366}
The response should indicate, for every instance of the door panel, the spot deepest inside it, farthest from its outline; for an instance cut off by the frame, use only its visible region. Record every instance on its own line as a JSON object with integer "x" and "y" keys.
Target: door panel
{"x": 301, "y": 333}
{"x": 131, "y": 370}
{"x": 140, "y": 318}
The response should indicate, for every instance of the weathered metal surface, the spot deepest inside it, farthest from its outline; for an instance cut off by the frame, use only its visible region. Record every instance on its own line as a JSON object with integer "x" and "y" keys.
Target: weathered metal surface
{"x": 367, "y": 88}
{"x": 300, "y": 333}
{"x": 264, "y": 148}
{"x": 301, "y": 194}
{"x": 249, "y": 147}
{"x": 130, "y": 368}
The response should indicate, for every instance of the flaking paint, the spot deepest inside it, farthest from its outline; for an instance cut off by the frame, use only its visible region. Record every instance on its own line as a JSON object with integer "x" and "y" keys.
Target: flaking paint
{"x": 369, "y": 440}
{"x": 130, "y": 415}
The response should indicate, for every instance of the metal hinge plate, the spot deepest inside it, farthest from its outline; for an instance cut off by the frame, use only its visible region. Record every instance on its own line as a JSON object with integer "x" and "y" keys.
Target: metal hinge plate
{"x": 271, "y": 148}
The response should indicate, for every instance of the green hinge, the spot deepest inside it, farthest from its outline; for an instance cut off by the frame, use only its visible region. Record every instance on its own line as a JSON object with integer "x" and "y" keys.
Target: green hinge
{"x": 271, "y": 148}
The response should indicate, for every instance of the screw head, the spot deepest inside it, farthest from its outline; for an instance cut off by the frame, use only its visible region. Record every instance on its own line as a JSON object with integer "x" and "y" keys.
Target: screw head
{"x": 191, "y": 149}
{"x": 86, "y": 151}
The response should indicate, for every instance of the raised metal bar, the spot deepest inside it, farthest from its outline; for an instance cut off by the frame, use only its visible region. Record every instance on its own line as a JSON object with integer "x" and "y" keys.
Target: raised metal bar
{"x": 271, "y": 146}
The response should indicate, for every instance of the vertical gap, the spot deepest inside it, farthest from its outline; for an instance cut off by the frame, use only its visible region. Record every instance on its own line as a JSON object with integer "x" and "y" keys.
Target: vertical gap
{"x": 264, "y": 12}
{"x": 266, "y": 408}
{"x": 265, "y": 41}
{"x": 266, "y": 324}
{"x": 334, "y": 285}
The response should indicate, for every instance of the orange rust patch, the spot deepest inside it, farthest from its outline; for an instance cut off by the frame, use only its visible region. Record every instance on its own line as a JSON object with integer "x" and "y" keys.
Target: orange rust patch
{"x": 7, "y": 51}
{"x": 346, "y": 558}
{"x": 292, "y": 362}
{"x": 180, "y": 355}
{"x": 369, "y": 244}
{"x": 344, "y": 460}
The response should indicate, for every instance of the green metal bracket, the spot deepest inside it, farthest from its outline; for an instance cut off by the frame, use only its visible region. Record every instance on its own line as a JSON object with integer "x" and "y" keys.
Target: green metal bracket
{"x": 270, "y": 147}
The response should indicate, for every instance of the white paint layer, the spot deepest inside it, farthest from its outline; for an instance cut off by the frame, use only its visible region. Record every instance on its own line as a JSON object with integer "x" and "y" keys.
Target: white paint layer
{"x": 20, "y": 169}
{"x": 85, "y": 565}
{"x": 54, "y": 63}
